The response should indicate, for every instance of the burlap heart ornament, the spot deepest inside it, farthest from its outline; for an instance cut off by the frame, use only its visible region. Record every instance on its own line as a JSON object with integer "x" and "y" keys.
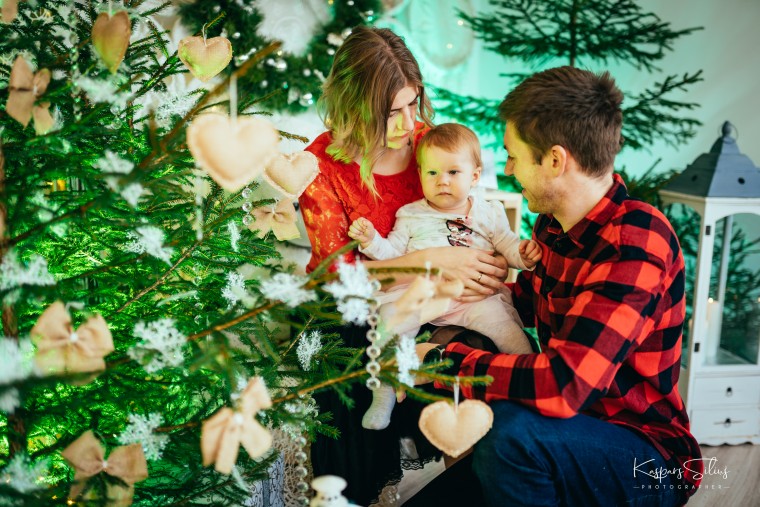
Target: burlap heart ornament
{"x": 452, "y": 429}
{"x": 8, "y": 10}
{"x": 232, "y": 151}
{"x": 291, "y": 174}
{"x": 110, "y": 36}
{"x": 205, "y": 58}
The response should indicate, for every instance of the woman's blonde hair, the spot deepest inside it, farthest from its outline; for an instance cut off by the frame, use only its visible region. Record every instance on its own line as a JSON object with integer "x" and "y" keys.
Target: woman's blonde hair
{"x": 369, "y": 69}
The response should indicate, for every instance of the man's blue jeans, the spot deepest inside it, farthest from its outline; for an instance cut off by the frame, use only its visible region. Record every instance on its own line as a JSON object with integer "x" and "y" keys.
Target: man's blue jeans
{"x": 530, "y": 459}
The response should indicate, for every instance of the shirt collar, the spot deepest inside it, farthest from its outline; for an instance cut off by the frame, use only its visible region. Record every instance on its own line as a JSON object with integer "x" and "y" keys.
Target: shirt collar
{"x": 586, "y": 230}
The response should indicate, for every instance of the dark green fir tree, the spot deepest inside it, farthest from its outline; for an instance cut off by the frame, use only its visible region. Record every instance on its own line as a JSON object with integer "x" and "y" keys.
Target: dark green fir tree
{"x": 143, "y": 356}
{"x": 593, "y": 34}
{"x": 585, "y": 33}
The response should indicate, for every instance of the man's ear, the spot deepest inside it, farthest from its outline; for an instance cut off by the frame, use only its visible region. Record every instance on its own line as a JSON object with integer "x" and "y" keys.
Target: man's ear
{"x": 559, "y": 158}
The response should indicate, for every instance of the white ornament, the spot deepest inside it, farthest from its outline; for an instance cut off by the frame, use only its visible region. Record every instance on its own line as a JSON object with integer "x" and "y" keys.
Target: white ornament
{"x": 131, "y": 193}
{"x": 294, "y": 22}
{"x": 149, "y": 239}
{"x": 328, "y": 488}
{"x": 10, "y": 400}
{"x": 407, "y": 359}
{"x": 161, "y": 345}
{"x": 288, "y": 289}
{"x": 23, "y": 475}
{"x": 112, "y": 163}
{"x": 141, "y": 431}
{"x": 309, "y": 345}
{"x": 352, "y": 292}
{"x": 13, "y": 273}
{"x": 441, "y": 39}
{"x": 102, "y": 90}
{"x": 235, "y": 292}
{"x": 232, "y": 228}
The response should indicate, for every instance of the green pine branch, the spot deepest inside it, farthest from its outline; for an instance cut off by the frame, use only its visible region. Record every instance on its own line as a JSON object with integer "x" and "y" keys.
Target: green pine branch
{"x": 575, "y": 32}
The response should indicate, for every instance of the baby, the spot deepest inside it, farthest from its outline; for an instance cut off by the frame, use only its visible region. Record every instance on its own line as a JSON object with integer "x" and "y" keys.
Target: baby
{"x": 449, "y": 162}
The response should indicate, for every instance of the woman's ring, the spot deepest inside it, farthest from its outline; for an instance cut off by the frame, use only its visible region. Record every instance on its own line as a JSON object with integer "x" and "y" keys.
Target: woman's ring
{"x": 481, "y": 276}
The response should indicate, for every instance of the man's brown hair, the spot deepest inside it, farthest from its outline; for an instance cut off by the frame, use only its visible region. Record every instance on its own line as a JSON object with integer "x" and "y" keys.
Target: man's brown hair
{"x": 570, "y": 107}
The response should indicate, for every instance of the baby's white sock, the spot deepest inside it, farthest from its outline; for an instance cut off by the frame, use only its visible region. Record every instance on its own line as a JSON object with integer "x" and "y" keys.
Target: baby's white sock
{"x": 378, "y": 415}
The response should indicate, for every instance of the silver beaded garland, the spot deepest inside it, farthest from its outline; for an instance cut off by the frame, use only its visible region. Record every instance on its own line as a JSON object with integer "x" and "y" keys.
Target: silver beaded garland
{"x": 373, "y": 351}
{"x": 302, "y": 470}
{"x": 247, "y": 206}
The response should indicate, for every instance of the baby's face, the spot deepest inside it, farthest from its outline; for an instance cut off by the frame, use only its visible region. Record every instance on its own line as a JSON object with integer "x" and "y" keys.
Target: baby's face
{"x": 447, "y": 178}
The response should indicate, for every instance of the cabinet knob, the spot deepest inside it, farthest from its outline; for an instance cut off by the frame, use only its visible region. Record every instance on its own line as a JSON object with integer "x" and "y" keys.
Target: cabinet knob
{"x": 729, "y": 392}
{"x": 727, "y": 422}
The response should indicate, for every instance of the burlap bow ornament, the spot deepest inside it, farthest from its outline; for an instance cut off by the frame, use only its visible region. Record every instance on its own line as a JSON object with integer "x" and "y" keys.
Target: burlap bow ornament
{"x": 224, "y": 432}
{"x": 127, "y": 463}
{"x": 425, "y": 300}
{"x": 279, "y": 218}
{"x": 25, "y": 88}
{"x": 61, "y": 349}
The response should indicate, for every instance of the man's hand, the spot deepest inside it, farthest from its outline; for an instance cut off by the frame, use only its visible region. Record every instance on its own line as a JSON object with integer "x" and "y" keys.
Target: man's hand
{"x": 362, "y": 231}
{"x": 530, "y": 252}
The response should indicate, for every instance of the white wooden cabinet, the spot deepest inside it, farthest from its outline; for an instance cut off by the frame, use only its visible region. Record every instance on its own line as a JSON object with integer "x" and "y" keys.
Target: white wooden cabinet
{"x": 512, "y": 202}
{"x": 725, "y": 406}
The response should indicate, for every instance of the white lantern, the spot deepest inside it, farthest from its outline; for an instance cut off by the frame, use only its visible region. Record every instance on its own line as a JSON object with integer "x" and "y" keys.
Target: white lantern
{"x": 720, "y": 378}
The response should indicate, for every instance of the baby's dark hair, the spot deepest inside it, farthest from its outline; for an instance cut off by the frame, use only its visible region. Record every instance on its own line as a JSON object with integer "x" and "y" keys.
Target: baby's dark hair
{"x": 451, "y": 137}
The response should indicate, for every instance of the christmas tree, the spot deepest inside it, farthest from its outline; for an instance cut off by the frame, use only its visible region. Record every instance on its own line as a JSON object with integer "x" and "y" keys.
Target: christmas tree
{"x": 156, "y": 347}
{"x": 311, "y": 30}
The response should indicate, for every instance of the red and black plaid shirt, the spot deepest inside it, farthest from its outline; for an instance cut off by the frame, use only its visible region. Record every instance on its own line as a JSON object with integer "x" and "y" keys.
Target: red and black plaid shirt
{"x": 607, "y": 300}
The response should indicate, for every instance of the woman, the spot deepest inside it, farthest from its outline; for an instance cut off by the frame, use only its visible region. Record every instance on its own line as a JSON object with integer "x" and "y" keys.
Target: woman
{"x": 371, "y": 102}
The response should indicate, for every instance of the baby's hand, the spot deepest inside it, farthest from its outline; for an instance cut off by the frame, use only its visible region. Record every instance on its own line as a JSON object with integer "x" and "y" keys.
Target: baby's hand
{"x": 362, "y": 231}
{"x": 530, "y": 252}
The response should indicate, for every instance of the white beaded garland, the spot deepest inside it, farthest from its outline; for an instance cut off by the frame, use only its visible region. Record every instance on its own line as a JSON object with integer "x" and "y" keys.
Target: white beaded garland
{"x": 373, "y": 351}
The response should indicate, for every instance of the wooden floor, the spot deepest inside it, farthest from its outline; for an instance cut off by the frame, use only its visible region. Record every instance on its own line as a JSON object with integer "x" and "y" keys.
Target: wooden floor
{"x": 740, "y": 487}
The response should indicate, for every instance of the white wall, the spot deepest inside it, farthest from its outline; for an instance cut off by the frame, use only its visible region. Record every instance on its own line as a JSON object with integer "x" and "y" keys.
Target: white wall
{"x": 728, "y": 51}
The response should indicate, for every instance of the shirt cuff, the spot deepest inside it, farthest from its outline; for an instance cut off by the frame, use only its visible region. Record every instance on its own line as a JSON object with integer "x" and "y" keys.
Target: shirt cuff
{"x": 456, "y": 352}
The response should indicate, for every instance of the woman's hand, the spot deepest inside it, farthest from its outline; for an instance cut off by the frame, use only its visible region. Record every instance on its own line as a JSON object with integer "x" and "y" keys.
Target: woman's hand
{"x": 481, "y": 272}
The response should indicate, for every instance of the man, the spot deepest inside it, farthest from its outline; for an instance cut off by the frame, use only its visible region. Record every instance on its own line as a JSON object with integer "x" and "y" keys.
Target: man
{"x": 595, "y": 418}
